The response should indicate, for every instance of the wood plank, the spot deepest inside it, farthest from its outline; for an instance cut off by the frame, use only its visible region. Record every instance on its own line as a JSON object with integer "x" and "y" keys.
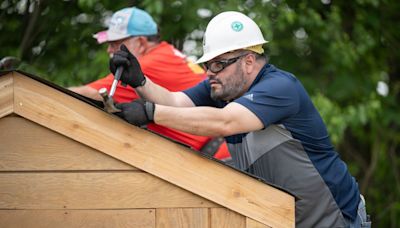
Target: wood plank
{"x": 78, "y": 218}
{"x": 225, "y": 218}
{"x": 250, "y": 223}
{"x": 153, "y": 154}
{"x": 94, "y": 190}
{"x": 6, "y": 95}
{"x": 27, "y": 146}
{"x": 182, "y": 218}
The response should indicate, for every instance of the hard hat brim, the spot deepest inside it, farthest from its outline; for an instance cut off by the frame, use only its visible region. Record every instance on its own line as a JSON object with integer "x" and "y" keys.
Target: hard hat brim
{"x": 210, "y": 55}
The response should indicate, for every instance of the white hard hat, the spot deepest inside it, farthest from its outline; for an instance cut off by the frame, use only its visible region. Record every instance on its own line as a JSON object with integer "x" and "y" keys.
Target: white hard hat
{"x": 229, "y": 31}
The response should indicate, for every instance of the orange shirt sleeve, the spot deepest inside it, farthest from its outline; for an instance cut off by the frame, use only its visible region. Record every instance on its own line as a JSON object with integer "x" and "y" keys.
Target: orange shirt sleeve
{"x": 122, "y": 93}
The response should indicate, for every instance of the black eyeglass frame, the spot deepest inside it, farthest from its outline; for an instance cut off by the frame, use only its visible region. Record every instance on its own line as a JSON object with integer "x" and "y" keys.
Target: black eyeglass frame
{"x": 224, "y": 63}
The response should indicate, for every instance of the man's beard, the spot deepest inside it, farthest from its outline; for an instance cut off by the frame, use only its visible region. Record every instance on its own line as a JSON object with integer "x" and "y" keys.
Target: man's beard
{"x": 232, "y": 88}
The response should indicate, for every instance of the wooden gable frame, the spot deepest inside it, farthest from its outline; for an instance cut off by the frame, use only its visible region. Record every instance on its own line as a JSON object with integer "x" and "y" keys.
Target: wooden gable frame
{"x": 55, "y": 110}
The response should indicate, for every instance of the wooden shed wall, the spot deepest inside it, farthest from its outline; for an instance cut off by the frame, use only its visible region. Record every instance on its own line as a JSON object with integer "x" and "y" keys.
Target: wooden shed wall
{"x": 49, "y": 180}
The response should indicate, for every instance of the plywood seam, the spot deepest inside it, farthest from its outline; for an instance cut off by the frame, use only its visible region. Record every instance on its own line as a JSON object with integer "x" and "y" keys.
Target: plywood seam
{"x": 13, "y": 96}
{"x": 73, "y": 171}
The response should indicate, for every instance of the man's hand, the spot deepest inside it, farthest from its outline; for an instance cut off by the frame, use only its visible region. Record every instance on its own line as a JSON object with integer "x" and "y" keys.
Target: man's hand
{"x": 132, "y": 73}
{"x": 138, "y": 112}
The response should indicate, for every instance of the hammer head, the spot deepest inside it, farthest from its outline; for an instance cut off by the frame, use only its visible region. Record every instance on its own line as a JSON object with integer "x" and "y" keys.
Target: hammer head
{"x": 108, "y": 101}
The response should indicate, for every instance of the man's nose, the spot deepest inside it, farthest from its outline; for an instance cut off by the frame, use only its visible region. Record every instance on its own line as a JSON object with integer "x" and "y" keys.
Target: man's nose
{"x": 110, "y": 49}
{"x": 210, "y": 74}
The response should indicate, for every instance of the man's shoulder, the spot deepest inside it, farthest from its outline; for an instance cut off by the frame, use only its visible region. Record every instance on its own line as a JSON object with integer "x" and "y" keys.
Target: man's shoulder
{"x": 162, "y": 53}
{"x": 163, "y": 48}
{"x": 274, "y": 79}
{"x": 273, "y": 72}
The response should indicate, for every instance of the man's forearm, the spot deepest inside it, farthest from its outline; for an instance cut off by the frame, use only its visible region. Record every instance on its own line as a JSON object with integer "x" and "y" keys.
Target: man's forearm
{"x": 206, "y": 121}
{"x": 87, "y": 92}
{"x": 160, "y": 95}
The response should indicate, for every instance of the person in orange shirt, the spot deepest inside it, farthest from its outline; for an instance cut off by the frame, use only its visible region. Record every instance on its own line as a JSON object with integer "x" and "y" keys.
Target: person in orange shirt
{"x": 161, "y": 62}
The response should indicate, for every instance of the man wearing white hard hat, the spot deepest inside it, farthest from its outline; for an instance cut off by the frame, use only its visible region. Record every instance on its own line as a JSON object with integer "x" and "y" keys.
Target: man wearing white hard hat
{"x": 272, "y": 128}
{"x": 161, "y": 62}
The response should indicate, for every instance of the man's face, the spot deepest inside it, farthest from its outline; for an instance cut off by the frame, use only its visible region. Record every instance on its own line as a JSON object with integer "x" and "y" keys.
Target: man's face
{"x": 132, "y": 43}
{"x": 230, "y": 81}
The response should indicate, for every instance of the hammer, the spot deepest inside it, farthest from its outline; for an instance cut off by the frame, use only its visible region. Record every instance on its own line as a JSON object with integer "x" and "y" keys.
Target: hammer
{"x": 107, "y": 98}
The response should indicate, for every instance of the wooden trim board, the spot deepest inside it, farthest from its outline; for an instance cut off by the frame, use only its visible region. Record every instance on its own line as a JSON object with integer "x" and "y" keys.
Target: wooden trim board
{"x": 6, "y": 95}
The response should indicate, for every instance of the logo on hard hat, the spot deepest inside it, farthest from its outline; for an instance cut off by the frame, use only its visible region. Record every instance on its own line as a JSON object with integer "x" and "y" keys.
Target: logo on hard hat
{"x": 237, "y": 26}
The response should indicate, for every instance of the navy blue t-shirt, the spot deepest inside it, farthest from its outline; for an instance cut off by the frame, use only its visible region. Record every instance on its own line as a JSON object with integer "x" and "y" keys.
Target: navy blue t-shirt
{"x": 294, "y": 145}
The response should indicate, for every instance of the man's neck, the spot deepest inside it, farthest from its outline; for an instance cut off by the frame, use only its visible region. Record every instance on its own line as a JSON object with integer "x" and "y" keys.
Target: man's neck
{"x": 150, "y": 47}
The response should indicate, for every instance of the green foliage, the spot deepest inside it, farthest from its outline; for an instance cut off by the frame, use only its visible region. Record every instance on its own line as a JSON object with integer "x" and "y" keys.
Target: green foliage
{"x": 54, "y": 40}
{"x": 338, "y": 119}
{"x": 340, "y": 51}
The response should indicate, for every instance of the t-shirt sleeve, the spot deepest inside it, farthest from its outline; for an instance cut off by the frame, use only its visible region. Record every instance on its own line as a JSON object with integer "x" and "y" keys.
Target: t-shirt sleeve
{"x": 272, "y": 99}
{"x": 200, "y": 94}
{"x": 105, "y": 82}
{"x": 122, "y": 93}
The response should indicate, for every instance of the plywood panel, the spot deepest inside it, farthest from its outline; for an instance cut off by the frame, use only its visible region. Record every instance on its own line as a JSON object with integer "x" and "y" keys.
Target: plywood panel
{"x": 182, "y": 218}
{"x": 6, "y": 95}
{"x": 143, "y": 218}
{"x": 152, "y": 154}
{"x": 250, "y": 223}
{"x": 225, "y": 218}
{"x": 94, "y": 190}
{"x": 26, "y": 146}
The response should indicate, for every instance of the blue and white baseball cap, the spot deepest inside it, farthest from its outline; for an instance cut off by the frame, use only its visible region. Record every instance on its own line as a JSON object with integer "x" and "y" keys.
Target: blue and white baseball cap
{"x": 128, "y": 22}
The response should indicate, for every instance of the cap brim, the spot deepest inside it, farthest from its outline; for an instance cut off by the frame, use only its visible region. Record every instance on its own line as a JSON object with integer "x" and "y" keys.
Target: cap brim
{"x": 106, "y": 35}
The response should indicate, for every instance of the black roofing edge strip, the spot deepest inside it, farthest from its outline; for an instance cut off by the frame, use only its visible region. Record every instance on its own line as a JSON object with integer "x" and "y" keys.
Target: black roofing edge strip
{"x": 87, "y": 100}
{"x": 99, "y": 105}
{"x": 3, "y": 72}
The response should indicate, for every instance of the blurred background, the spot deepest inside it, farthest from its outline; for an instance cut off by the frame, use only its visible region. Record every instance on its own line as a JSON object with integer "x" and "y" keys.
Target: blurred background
{"x": 346, "y": 53}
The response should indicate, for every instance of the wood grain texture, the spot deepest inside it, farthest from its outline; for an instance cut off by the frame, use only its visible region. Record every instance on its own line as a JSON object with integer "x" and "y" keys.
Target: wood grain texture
{"x": 250, "y": 223}
{"x": 151, "y": 153}
{"x": 224, "y": 218}
{"x": 94, "y": 190}
{"x": 27, "y": 146}
{"x": 143, "y": 218}
{"x": 6, "y": 95}
{"x": 182, "y": 218}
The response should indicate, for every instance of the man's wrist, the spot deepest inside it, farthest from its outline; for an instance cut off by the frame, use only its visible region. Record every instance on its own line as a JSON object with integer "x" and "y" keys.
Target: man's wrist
{"x": 143, "y": 82}
{"x": 136, "y": 83}
{"x": 149, "y": 108}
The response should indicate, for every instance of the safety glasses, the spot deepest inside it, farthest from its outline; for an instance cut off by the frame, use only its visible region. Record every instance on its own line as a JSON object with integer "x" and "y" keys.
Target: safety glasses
{"x": 218, "y": 65}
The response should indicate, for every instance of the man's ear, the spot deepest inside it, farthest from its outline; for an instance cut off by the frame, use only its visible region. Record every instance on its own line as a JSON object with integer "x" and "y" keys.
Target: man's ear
{"x": 143, "y": 44}
{"x": 250, "y": 63}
